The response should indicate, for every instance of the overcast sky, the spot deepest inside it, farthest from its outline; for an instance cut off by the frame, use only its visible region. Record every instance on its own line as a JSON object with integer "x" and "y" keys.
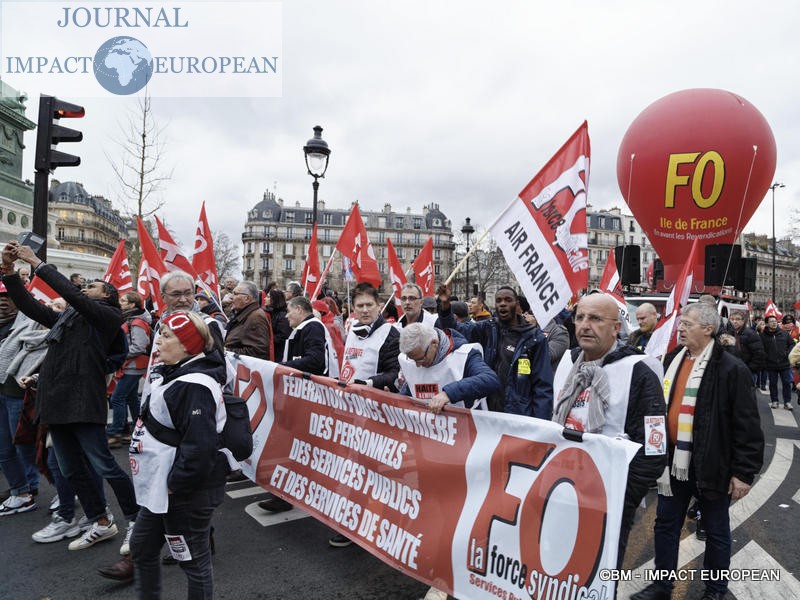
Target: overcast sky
{"x": 458, "y": 103}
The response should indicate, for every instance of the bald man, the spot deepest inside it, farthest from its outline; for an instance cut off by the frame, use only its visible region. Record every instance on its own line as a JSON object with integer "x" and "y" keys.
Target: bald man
{"x": 647, "y": 317}
{"x": 633, "y": 407}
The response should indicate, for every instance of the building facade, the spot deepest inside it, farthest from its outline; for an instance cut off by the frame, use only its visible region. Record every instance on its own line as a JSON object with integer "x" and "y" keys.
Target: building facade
{"x": 608, "y": 229}
{"x": 276, "y": 239}
{"x": 85, "y": 223}
{"x": 787, "y": 271}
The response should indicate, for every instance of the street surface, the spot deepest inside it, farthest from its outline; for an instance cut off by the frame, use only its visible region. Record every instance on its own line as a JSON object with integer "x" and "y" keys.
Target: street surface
{"x": 287, "y": 555}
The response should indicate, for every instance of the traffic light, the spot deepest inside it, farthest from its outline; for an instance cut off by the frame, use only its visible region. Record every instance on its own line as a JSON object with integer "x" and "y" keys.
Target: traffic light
{"x": 50, "y": 133}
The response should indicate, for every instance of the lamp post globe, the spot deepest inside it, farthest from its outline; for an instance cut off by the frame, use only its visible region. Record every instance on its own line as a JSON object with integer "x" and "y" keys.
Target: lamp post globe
{"x": 317, "y": 153}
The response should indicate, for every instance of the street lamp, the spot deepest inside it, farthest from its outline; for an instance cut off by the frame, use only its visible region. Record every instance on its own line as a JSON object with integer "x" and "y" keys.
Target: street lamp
{"x": 317, "y": 154}
{"x": 467, "y": 230}
{"x": 774, "y": 241}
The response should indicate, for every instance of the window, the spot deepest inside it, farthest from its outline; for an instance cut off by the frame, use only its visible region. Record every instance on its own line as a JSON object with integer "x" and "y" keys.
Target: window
{"x": 290, "y": 232}
{"x": 382, "y": 222}
{"x": 265, "y": 264}
{"x": 288, "y": 249}
{"x": 249, "y": 264}
{"x": 266, "y": 247}
{"x": 382, "y": 237}
{"x": 267, "y": 214}
{"x": 631, "y": 238}
{"x": 400, "y": 237}
{"x": 631, "y": 226}
{"x": 12, "y": 218}
{"x": 417, "y": 223}
{"x": 399, "y": 253}
{"x": 327, "y": 219}
{"x": 289, "y": 216}
{"x": 382, "y": 268}
{"x": 82, "y": 235}
{"x": 601, "y": 222}
{"x": 436, "y": 270}
{"x": 288, "y": 264}
{"x": 24, "y": 221}
{"x": 437, "y": 254}
{"x": 326, "y": 250}
{"x": 436, "y": 222}
{"x": 249, "y": 247}
{"x": 437, "y": 239}
{"x": 398, "y": 223}
{"x": 309, "y": 218}
{"x": 326, "y": 235}
{"x": 60, "y": 234}
{"x": 417, "y": 238}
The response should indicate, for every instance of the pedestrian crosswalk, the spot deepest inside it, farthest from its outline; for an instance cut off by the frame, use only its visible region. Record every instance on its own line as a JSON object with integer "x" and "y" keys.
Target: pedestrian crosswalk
{"x": 265, "y": 519}
{"x": 752, "y": 559}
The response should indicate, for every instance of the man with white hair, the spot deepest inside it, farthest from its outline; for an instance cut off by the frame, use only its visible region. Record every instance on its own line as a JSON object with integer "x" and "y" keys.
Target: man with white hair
{"x": 716, "y": 448}
{"x": 442, "y": 368}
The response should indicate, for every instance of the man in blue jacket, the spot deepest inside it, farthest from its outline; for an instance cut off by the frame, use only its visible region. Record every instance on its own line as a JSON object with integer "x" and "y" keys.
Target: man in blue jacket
{"x": 440, "y": 367}
{"x": 516, "y": 351}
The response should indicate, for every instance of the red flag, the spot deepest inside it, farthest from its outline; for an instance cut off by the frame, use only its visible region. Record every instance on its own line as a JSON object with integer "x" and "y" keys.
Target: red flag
{"x": 423, "y": 269}
{"x": 664, "y": 337}
{"x": 611, "y": 284}
{"x": 396, "y": 275}
{"x": 354, "y": 245}
{"x": 203, "y": 258}
{"x": 310, "y": 275}
{"x": 118, "y": 273}
{"x": 171, "y": 253}
{"x": 542, "y": 233}
{"x": 151, "y": 268}
{"x": 771, "y": 310}
{"x": 41, "y": 291}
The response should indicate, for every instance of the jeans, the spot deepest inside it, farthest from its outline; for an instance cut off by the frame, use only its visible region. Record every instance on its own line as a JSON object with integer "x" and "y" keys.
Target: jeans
{"x": 75, "y": 443}
{"x": 124, "y": 398}
{"x": 18, "y": 462}
{"x": 787, "y": 382}
{"x": 66, "y": 495}
{"x": 188, "y": 515}
{"x": 670, "y": 516}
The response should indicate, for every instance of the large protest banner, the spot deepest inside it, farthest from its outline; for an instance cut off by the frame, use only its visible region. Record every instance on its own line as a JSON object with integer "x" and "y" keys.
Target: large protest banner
{"x": 482, "y": 505}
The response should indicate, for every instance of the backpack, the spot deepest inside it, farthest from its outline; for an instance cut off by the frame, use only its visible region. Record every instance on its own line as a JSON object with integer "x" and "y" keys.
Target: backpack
{"x": 117, "y": 352}
{"x": 235, "y": 435}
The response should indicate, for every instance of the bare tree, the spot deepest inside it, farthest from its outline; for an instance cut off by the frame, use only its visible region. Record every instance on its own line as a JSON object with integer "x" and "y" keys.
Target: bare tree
{"x": 487, "y": 266}
{"x": 226, "y": 255}
{"x": 139, "y": 168}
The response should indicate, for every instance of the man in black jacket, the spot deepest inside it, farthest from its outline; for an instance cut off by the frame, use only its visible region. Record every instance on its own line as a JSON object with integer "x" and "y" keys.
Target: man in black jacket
{"x": 71, "y": 397}
{"x": 748, "y": 346}
{"x": 714, "y": 455}
{"x": 604, "y": 372}
{"x": 777, "y": 345}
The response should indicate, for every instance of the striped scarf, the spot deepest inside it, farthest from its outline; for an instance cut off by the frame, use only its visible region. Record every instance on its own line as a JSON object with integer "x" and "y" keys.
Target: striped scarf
{"x": 682, "y": 456}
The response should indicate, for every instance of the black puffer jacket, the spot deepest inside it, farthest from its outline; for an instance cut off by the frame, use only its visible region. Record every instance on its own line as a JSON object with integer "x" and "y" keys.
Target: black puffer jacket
{"x": 72, "y": 379}
{"x": 749, "y": 348}
{"x": 727, "y": 436}
{"x": 777, "y": 345}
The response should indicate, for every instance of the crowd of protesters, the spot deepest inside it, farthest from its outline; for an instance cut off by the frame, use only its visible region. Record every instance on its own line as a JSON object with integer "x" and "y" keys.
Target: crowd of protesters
{"x": 581, "y": 370}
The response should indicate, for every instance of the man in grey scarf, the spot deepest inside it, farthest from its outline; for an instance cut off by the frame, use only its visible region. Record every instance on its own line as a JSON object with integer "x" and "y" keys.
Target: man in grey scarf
{"x": 607, "y": 387}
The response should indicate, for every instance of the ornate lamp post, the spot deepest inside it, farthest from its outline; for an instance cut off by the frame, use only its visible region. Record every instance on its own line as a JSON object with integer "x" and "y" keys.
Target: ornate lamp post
{"x": 774, "y": 241}
{"x": 317, "y": 153}
{"x": 467, "y": 230}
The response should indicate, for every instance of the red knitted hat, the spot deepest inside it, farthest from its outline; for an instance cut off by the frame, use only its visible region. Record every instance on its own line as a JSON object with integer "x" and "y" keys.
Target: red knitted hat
{"x": 184, "y": 329}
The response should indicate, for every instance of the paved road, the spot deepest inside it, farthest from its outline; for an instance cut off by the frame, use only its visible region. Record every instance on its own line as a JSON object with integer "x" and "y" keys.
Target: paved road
{"x": 287, "y": 556}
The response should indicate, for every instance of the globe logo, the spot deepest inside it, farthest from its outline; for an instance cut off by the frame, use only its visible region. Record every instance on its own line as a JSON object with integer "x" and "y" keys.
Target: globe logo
{"x": 123, "y": 65}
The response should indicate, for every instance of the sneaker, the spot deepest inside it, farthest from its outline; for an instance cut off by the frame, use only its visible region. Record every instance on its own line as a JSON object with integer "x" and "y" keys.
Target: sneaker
{"x": 17, "y": 504}
{"x": 774, "y": 405}
{"x": 54, "y": 504}
{"x": 126, "y": 543}
{"x": 340, "y": 541}
{"x": 84, "y": 523}
{"x": 787, "y": 405}
{"x": 57, "y": 530}
{"x": 96, "y": 533}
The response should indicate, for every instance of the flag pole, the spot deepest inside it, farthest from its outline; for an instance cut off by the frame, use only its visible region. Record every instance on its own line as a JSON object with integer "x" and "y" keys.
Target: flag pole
{"x": 391, "y": 296}
{"x": 464, "y": 260}
{"x": 322, "y": 276}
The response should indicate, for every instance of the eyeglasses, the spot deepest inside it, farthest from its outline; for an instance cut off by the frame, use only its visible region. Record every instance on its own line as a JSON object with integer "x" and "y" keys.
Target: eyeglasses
{"x": 241, "y": 294}
{"x": 593, "y": 318}
{"x": 409, "y": 298}
{"x": 175, "y": 295}
{"x": 424, "y": 356}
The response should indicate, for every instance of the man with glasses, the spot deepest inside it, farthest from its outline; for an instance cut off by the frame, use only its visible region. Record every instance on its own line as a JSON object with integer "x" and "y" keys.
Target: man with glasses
{"x": 440, "y": 367}
{"x": 71, "y": 397}
{"x": 605, "y": 386}
{"x": 716, "y": 447}
{"x": 411, "y": 302}
{"x": 249, "y": 331}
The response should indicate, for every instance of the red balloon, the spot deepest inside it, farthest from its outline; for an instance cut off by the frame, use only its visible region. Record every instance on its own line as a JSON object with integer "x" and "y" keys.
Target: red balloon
{"x": 695, "y": 163}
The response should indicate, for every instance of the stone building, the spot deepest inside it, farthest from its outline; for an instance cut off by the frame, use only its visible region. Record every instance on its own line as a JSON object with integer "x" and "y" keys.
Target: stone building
{"x": 787, "y": 271}
{"x": 276, "y": 238}
{"x": 85, "y": 223}
{"x": 608, "y": 229}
